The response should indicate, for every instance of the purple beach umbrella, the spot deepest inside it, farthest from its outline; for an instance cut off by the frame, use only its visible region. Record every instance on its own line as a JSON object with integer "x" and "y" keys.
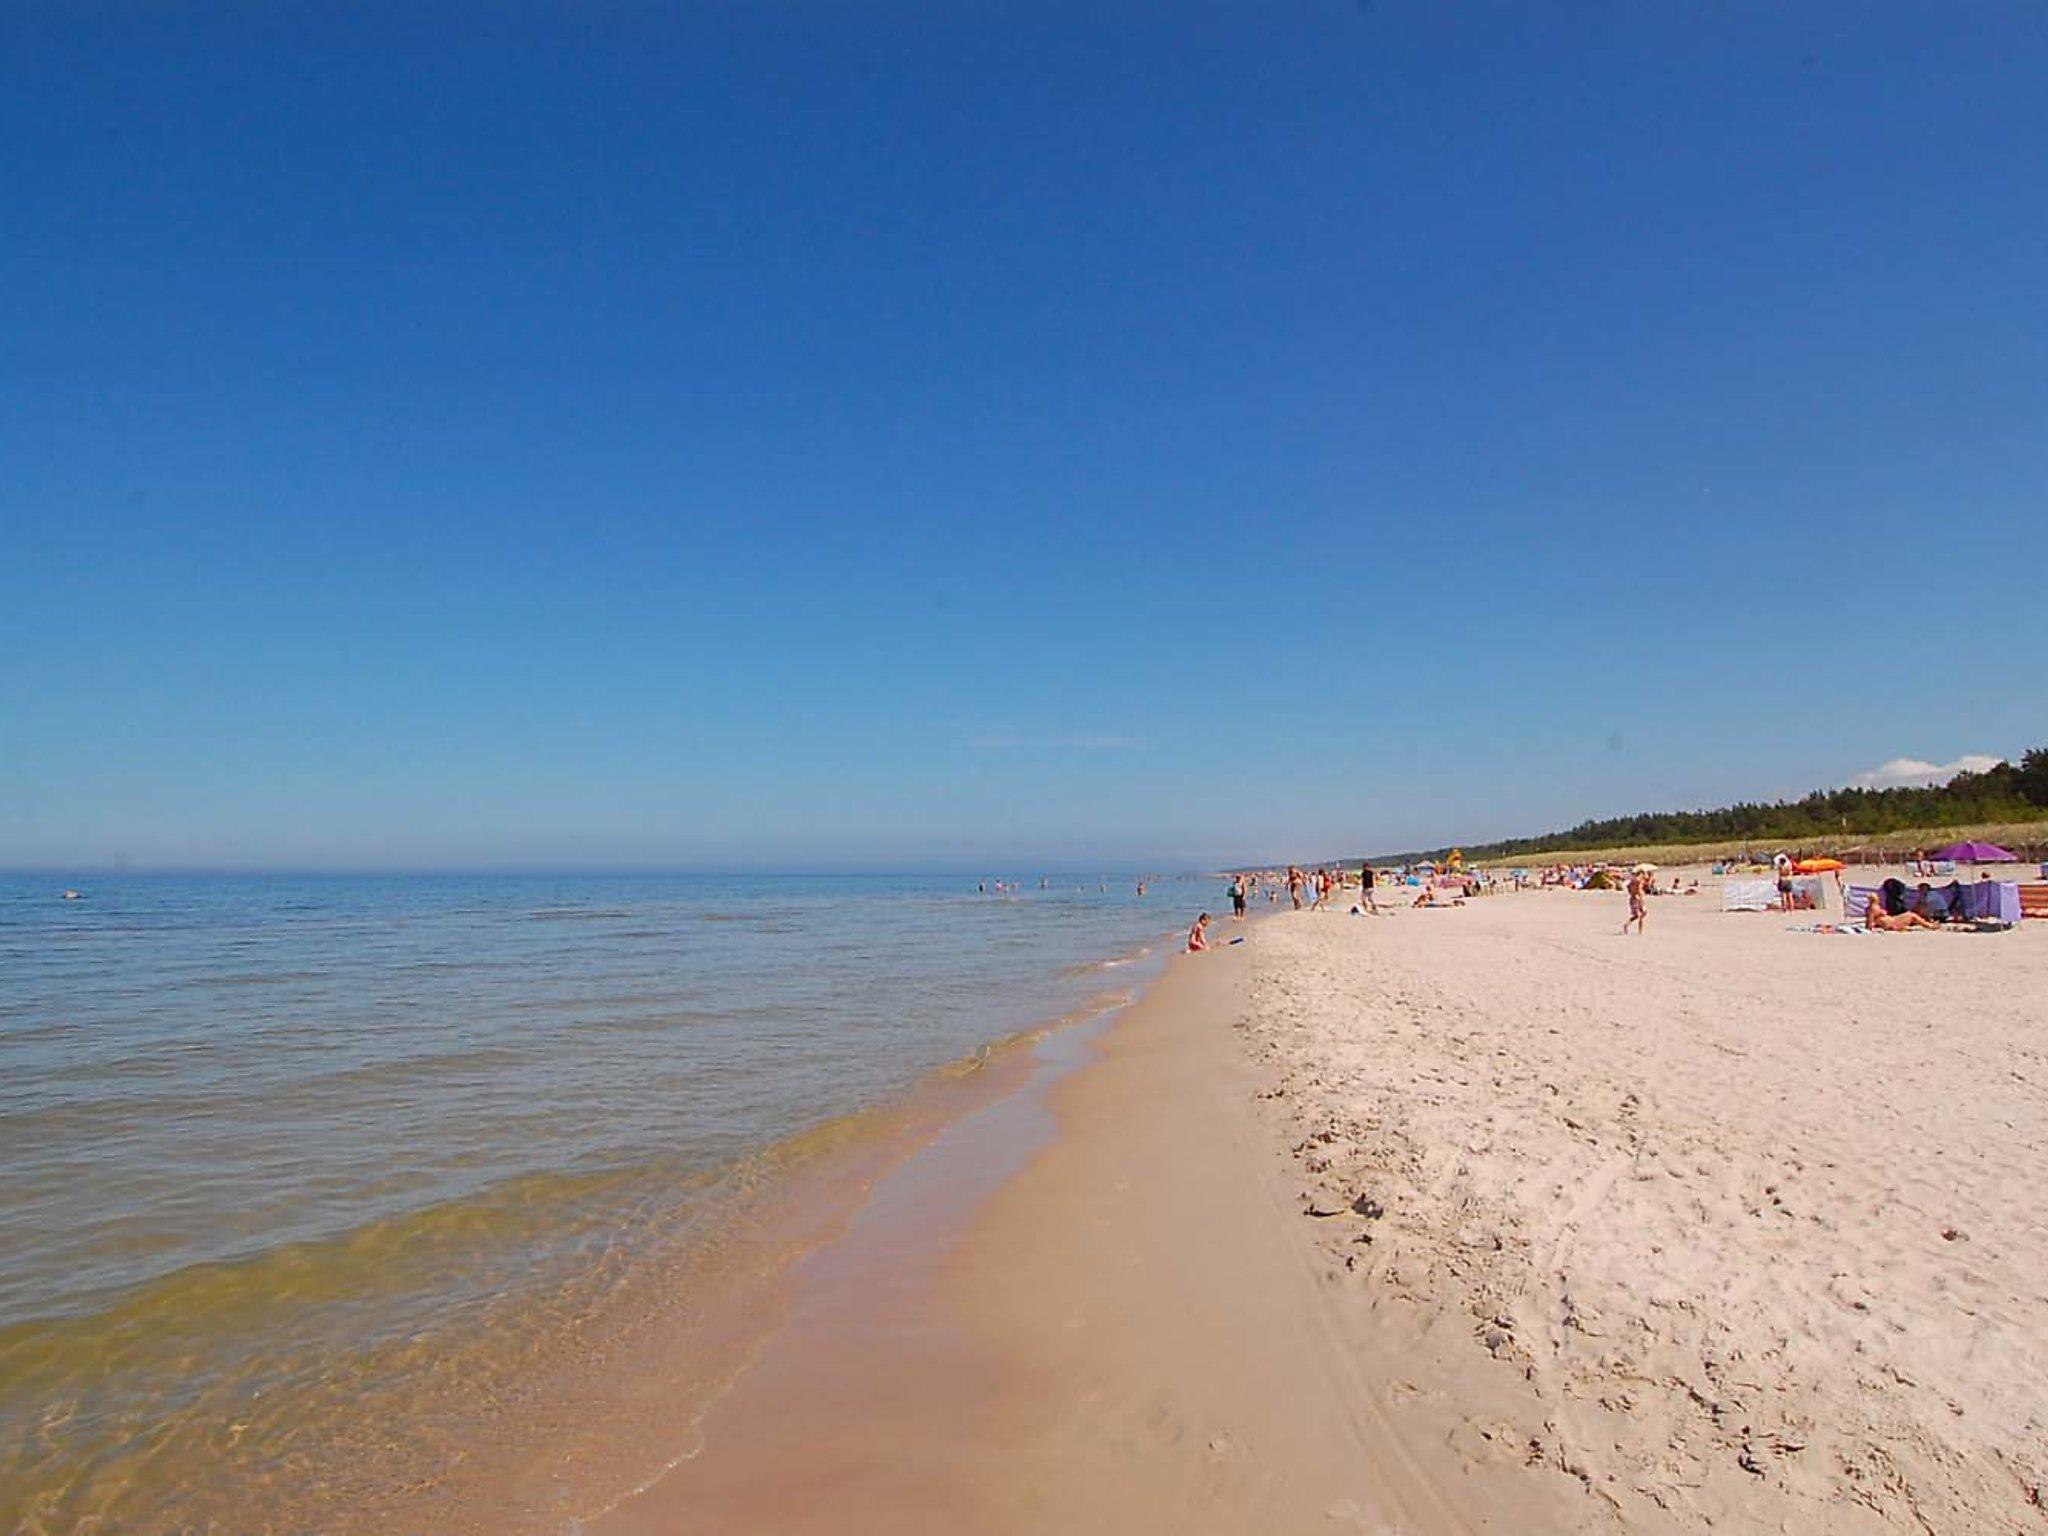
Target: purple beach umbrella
{"x": 1974, "y": 853}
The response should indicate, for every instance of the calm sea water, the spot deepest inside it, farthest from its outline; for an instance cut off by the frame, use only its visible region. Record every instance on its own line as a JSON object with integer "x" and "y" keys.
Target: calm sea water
{"x": 262, "y": 1136}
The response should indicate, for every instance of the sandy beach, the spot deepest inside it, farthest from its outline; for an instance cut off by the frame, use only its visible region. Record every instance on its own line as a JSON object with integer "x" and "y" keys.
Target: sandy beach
{"x": 1744, "y": 1215}
{"x": 1479, "y": 1219}
{"x": 692, "y": 692}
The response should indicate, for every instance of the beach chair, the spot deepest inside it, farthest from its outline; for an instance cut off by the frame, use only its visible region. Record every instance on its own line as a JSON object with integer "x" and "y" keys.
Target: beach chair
{"x": 2033, "y": 901}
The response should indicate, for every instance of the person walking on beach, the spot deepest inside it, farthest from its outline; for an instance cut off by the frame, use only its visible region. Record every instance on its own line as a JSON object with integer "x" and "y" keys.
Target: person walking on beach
{"x": 1365, "y": 878}
{"x": 1294, "y": 886}
{"x": 1198, "y": 936}
{"x": 1638, "y": 906}
{"x": 1237, "y": 897}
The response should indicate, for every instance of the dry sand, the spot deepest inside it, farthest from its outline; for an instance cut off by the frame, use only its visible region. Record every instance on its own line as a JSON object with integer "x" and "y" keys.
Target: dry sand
{"x": 1753, "y": 1215}
{"x": 1479, "y": 1219}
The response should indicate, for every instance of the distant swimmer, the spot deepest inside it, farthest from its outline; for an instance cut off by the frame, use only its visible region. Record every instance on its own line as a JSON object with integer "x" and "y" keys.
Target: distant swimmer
{"x": 74, "y": 895}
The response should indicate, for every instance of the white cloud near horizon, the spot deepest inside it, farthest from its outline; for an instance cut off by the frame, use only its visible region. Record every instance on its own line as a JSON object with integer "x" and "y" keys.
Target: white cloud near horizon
{"x": 1903, "y": 771}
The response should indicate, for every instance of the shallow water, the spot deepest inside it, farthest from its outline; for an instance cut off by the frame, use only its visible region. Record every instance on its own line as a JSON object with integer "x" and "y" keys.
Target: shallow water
{"x": 312, "y": 1181}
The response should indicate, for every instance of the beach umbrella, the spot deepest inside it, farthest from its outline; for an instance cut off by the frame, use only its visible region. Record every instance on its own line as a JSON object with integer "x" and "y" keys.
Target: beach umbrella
{"x": 1974, "y": 853}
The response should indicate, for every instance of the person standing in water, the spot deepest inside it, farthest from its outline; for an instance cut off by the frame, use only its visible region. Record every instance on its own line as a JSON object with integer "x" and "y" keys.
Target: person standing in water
{"x": 1237, "y": 896}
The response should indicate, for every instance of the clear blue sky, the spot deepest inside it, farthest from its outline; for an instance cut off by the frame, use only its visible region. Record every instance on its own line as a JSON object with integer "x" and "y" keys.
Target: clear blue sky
{"x": 826, "y": 435}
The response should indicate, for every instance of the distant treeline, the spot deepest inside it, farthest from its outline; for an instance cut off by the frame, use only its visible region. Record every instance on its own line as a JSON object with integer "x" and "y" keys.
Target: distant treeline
{"x": 2004, "y": 793}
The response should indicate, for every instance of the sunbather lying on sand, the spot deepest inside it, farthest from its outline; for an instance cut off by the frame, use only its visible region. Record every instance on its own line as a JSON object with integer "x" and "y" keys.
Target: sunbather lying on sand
{"x": 1877, "y": 920}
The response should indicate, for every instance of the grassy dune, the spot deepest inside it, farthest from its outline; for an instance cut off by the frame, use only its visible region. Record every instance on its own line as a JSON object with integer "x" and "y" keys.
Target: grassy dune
{"x": 1857, "y": 847}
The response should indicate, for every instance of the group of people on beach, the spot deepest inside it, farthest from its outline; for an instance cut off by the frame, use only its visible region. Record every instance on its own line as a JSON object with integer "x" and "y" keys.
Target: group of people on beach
{"x": 1307, "y": 890}
{"x": 1310, "y": 887}
{"x": 1243, "y": 887}
{"x": 1891, "y": 908}
{"x": 1896, "y": 908}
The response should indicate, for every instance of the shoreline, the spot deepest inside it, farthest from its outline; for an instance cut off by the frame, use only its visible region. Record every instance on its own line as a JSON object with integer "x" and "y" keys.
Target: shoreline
{"x": 816, "y": 1187}
{"x": 549, "y": 1385}
{"x": 1039, "y": 1324}
{"x": 814, "y": 1380}
{"x": 1454, "y": 1221}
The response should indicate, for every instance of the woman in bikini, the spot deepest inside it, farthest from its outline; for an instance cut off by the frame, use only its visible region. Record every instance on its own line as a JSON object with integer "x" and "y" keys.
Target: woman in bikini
{"x": 1877, "y": 920}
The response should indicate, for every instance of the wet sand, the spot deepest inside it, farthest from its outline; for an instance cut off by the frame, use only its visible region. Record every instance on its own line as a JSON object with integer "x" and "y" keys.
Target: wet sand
{"x": 1127, "y": 1328}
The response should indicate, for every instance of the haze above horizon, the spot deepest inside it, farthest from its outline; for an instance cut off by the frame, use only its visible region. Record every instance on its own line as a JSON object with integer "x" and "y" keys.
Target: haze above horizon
{"x": 1099, "y": 437}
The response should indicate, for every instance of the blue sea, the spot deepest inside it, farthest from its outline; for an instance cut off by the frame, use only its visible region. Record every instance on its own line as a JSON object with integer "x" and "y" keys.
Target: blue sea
{"x": 314, "y": 1185}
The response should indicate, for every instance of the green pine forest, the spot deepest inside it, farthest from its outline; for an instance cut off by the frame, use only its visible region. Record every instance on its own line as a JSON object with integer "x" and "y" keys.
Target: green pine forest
{"x": 2007, "y": 793}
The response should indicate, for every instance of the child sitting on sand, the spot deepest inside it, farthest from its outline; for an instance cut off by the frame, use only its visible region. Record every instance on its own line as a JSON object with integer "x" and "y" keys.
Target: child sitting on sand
{"x": 1198, "y": 936}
